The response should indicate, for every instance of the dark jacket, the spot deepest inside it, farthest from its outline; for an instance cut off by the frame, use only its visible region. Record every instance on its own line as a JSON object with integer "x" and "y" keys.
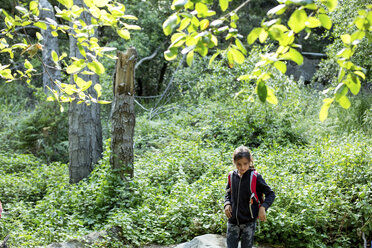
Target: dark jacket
{"x": 240, "y": 194}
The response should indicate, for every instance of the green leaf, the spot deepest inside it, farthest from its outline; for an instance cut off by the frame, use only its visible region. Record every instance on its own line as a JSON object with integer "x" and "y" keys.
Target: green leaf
{"x": 346, "y": 38}
{"x": 230, "y": 58}
{"x": 76, "y": 66}
{"x": 39, "y": 36}
{"x": 169, "y": 24}
{"x": 331, "y": 5}
{"x": 313, "y": 22}
{"x": 263, "y": 35}
{"x": 240, "y": 45}
{"x": 293, "y": 55}
{"x": 262, "y": 91}
{"x": 353, "y": 83}
{"x": 344, "y": 102}
{"x": 184, "y": 23}
{"x": 34, "y": 7}
{"x": 67, "y": 3}
{"x": 178, "y": 39}
{"x": 103, "y": 102}
{"x": 360, "y": 74}
{"x": 253, "y": 35}
{"x": 89, "y": 3}
{"x": 202, "y": 9}
{"x": 100, "y": 3}
{"x": 271, "y": 98}
{"x": 189, "y": 58}
{"x": 124, "y": 33}
{"x": 323, "y": 114}
{"x": 28, "y": 65}
{"x": 170, "y": 54}
{"x": 281, "y": 66}
{"x": 83, "y": 85}
{"x": 325, "y": 21}
{"x": 213, "y": 58}
{"x": 41, "y": 25}
{"x": 98, "y": 89}
{"x": 54, "y": 56}
{"x": 179, "y": 4}
{"x": 297, "y": 20}
{"x": 224, "y": 4}
{"x": 237, "y": 56}
{"x": 96, "y": 67}
{"x": 204, "y": 24}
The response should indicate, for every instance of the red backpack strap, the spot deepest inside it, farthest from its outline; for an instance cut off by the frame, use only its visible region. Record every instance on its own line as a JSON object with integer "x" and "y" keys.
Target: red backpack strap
{"x": 253, "y": 185}
{"x": 229, "y": 177}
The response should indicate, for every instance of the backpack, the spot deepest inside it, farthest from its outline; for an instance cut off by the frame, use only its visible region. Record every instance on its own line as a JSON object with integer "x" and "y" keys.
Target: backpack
{"x": 253, "y": 184}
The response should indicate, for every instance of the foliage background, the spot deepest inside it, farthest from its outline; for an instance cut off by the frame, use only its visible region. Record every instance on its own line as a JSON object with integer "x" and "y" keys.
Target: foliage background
{"x": 320, "y": 172}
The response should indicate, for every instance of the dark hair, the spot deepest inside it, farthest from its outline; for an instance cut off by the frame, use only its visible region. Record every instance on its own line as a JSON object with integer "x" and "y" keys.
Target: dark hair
{"x": 243, "y": 152}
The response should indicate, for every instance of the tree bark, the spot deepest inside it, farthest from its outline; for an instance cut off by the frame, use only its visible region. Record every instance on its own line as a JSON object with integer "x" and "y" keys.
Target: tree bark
{"x": 50, "y": 43}
{"x": 122, "y": 115}
{"x": 85, "y": 130}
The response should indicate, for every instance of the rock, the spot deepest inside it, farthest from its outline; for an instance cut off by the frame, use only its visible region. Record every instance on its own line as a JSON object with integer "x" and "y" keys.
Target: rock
{"x": 205, "y": 241}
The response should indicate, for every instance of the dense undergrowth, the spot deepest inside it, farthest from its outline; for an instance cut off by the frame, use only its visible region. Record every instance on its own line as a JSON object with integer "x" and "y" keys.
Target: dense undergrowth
{"x": 320, "y": 172}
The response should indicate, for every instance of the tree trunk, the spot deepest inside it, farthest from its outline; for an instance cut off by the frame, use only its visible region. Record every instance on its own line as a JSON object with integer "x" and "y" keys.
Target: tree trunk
{"x": 85, "y": 130}
{"x": 122, "y": 115}
{"x": 50, "y": 43}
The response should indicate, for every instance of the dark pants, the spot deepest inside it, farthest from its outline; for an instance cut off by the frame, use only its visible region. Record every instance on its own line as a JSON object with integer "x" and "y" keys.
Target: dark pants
{"x": 243, "y": 232}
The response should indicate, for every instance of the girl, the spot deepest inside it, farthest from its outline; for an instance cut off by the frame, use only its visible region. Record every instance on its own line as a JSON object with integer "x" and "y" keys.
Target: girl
{"x": 242, "y": 206}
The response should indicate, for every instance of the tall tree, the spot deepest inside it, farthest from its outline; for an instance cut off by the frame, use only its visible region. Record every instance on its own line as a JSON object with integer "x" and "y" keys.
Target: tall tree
{"x": 85, "y": 130}
{"x": 50, "y": 43}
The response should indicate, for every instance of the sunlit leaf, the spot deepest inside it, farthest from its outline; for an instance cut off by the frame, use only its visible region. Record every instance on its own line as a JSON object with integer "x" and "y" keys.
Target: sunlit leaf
{"x": 323, "y": 114}
{"x": 204, "y": 24}
{"x": 202, "y": 9}
{"x": 224, "y": 4}
{"x": 213, "y": 58}
{"x": 293, "y": 55}
{"x": 189, "y": 58}
{"x": 124, "y": 33}
{"x": 83, "y": 85}
{"x": 100, "y": 3}
{"x": 28, "y": 65}
{"x": 76, "y": 66}
{"x": 67, "y": 3}
{"x": 281, "y": 66}
{"x": 313, "y": 22}
{"x": 54, "y": 56}
{"x": 360, "y": 74}
{"x": 240, "y": 45}
{"x": 96, "y": 67}
{"x": 237, "y": 56}
{"x": 271, "y": 98}
{"x": 41, "y": 25}
{"x": 98, "y": 89}
{"x": 325, "y": 21}
{"x": 346, "y": 38}
{"x": 170, "y": 54}
{"x": 169, "y": 24}
{"x": 331, "y": 5}
{"x": 344, "y": 102}
{"x": 297, "y": 20}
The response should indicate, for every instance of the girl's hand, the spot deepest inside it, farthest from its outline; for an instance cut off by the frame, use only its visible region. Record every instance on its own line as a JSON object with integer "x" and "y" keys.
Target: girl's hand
{"x": 228, "y": 211}
{"x": 262, "y": 214}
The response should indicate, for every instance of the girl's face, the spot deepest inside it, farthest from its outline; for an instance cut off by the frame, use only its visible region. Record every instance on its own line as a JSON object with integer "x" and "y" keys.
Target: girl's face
{"x": 242, "y": 165}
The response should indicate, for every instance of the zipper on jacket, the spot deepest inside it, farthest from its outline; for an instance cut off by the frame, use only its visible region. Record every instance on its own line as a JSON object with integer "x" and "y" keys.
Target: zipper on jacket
{"x": 237, "y": 204}
{"x": 250, "y": 205}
